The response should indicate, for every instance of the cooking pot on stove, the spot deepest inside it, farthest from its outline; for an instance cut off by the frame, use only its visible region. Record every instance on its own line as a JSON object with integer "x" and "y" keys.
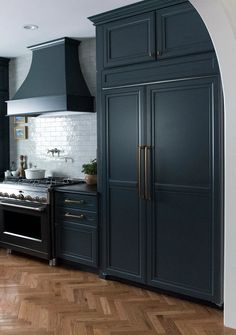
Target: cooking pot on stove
{"x": 34, "y": 173}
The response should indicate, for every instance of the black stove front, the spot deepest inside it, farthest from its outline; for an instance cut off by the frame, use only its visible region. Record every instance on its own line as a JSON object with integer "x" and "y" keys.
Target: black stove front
{"x": 26, "y": 215}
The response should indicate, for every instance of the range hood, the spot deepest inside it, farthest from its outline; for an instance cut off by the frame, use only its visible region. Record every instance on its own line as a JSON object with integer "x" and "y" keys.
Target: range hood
{"x": 54, "y": 83}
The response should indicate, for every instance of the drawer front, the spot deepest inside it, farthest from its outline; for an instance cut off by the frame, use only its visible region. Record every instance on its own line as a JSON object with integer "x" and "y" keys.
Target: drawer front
{"x": 76, "y": 201}
{"x": 76, "y": 244}
{"x": 76, "y": 216}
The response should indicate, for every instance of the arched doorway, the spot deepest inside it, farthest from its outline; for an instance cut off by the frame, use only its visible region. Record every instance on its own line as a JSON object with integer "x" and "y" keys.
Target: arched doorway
{"x": 220, "y": 29}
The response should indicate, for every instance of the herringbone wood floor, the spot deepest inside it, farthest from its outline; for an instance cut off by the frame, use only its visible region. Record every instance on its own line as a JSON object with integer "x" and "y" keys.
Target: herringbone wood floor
{"x": 38, "y": 300}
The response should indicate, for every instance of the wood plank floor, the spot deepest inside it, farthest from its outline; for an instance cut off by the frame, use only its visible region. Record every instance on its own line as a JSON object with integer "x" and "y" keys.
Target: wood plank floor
{"x": 38, "y": 300}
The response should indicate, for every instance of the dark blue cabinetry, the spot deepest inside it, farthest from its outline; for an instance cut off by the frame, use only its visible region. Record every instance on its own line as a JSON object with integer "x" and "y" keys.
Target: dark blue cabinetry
{"x": 4, "y": 123}
{"x": 181, "y": 31}
{"x": 138, "y": 44}
{"x": 183, "y": 215}
{"x": 160, "y": 150}
{"x": 152, "y": 36}
{"x": 76, "y": 227}
{"x": 125, "y": 235}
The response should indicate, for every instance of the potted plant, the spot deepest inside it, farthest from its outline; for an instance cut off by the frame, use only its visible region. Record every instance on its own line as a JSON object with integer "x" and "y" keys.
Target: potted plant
{"x": 90, "y": 171}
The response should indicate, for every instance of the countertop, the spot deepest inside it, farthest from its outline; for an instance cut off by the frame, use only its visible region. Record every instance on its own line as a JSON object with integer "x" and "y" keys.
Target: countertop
{"x": 78, "y": 188}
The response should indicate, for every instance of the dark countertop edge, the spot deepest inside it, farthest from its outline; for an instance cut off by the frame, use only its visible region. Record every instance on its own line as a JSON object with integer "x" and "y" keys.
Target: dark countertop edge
{"x": 77, "y": 188}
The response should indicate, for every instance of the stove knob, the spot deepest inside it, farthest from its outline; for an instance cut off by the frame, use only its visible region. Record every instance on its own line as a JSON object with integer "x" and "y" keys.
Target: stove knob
{"x": 1, "y": 194}
{"x": 6, "y": 195}
{"x": 37, "y": 199}
{"x": 28, "y": 198}
{"x": 20, "y": 196}
{"x": 12, "y": 195}
{"x": 43, "y": 199}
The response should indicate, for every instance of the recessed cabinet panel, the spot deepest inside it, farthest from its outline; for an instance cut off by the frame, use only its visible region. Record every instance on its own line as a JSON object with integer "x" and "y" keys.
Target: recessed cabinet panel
{"x": 181, "y": 224}
{"x": 130, "y": 40}
{"x": 123, "y": 113}
{"x": 182, "y": 243}
{"x": 125, "y": 235}
{"x": 3, "y": 105}
{"x": 4, "y": 77}
{"x": 125, "y": 231}
{"x": 77, "y": 244}
{"x": 181, "y": 31}
{"x": 182, "y": 115}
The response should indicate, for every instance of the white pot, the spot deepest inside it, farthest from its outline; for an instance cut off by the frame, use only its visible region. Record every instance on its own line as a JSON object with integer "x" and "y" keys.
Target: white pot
{"x": 34, "y": 174}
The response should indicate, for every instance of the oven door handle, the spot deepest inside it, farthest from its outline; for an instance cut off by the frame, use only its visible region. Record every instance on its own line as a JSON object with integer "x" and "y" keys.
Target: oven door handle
{"x": 37, "y": 209}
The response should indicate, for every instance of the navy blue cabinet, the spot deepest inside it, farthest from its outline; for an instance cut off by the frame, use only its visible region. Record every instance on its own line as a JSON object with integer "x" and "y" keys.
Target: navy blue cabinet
{"x": 183, "y": 218}
{"x": 181, "y": 31}
{"x": 4, "y": 74}
{"x": 161, "y": 186}
{"x": 125, "y": 210}
{"x": 4, "y": 123}
{"x": 138, "y": 44}
{"x": 160, "y": 150}
{"x": 167, "y": 32}
{"x": 76, "y": 227}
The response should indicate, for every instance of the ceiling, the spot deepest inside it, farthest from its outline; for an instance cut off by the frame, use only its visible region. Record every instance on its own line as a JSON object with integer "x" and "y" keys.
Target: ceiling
{"x": 55, "y": 18}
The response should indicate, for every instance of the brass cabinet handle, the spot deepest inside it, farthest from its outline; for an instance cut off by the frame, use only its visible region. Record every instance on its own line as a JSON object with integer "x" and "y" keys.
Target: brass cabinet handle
{"x": 152, "y": 54}
{"x": 78, "y": 202}
{"x": 140, "y": 191}
{"x": 147, "y": 171}
{"x": 80, "y": 217}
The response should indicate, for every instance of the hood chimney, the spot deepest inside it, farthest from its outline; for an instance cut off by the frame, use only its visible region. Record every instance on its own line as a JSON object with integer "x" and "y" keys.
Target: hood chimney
{"x": 54, "y": 83}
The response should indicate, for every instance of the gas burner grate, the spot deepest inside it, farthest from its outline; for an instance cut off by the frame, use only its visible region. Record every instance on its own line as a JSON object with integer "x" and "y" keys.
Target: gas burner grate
{"x": 49, "y": 182}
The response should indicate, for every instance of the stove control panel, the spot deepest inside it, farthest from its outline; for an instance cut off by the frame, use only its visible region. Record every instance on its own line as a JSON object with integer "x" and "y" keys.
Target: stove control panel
{"x": 24, "y": 194}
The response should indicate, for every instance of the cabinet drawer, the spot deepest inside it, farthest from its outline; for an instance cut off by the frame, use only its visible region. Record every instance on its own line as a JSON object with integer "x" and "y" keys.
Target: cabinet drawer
{"x": 76, "y": 201}
{"x": 76, "y": 216}
{"x": 77, "y": 244}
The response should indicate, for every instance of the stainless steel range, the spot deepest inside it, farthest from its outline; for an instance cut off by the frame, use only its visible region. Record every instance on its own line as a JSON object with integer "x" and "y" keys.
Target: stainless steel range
{"x": 26, "y": 208}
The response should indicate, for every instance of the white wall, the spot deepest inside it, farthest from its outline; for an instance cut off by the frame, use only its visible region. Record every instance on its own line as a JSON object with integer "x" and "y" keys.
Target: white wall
{"x": 217, "y": 15}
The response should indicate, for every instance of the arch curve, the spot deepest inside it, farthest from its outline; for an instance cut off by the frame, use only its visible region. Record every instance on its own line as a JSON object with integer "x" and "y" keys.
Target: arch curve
{"x": 222, "y": 35}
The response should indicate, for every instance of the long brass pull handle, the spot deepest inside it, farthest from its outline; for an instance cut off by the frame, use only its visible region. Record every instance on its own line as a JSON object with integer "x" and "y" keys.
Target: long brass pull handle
{"x": 78, "y": 202}
{"x": 147, "y": 171}
{"x": 140, "y": 192}
{"x": 80, "y": 217}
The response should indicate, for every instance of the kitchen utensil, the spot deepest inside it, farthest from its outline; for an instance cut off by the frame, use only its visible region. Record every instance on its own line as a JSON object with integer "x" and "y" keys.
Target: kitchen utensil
{"x": 34, "y": 173}
{"x": 15, "y": 173}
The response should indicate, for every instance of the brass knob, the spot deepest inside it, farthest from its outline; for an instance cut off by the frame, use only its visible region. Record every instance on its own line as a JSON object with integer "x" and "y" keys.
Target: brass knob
{"x": 159, "y": 53}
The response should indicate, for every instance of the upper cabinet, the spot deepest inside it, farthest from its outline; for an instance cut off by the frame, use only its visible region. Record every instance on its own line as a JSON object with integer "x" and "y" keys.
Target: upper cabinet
{"x": 181, "y": 31}
{"x": 4, "y": 89}
{"x": 152, "y": 36}
{"x": 4, "y": 121}
{"x": 130, "y": 40}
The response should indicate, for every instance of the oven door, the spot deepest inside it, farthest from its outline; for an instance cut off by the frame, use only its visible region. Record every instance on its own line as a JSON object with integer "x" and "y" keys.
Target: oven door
{"x": 25, "y": 227}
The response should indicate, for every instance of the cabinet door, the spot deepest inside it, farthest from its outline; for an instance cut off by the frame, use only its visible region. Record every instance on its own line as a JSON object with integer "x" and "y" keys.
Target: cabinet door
{"x": 76, "y": 243}
{"x": 3, "y": 105}
{"x": 4, "y": 145}
{"x": 124, "y": 217}
{"x": 181, "y": 31}
{"x": 3, "y": 77}
{"x": 184, "y": 235}
{"x": 129, "y": 41}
